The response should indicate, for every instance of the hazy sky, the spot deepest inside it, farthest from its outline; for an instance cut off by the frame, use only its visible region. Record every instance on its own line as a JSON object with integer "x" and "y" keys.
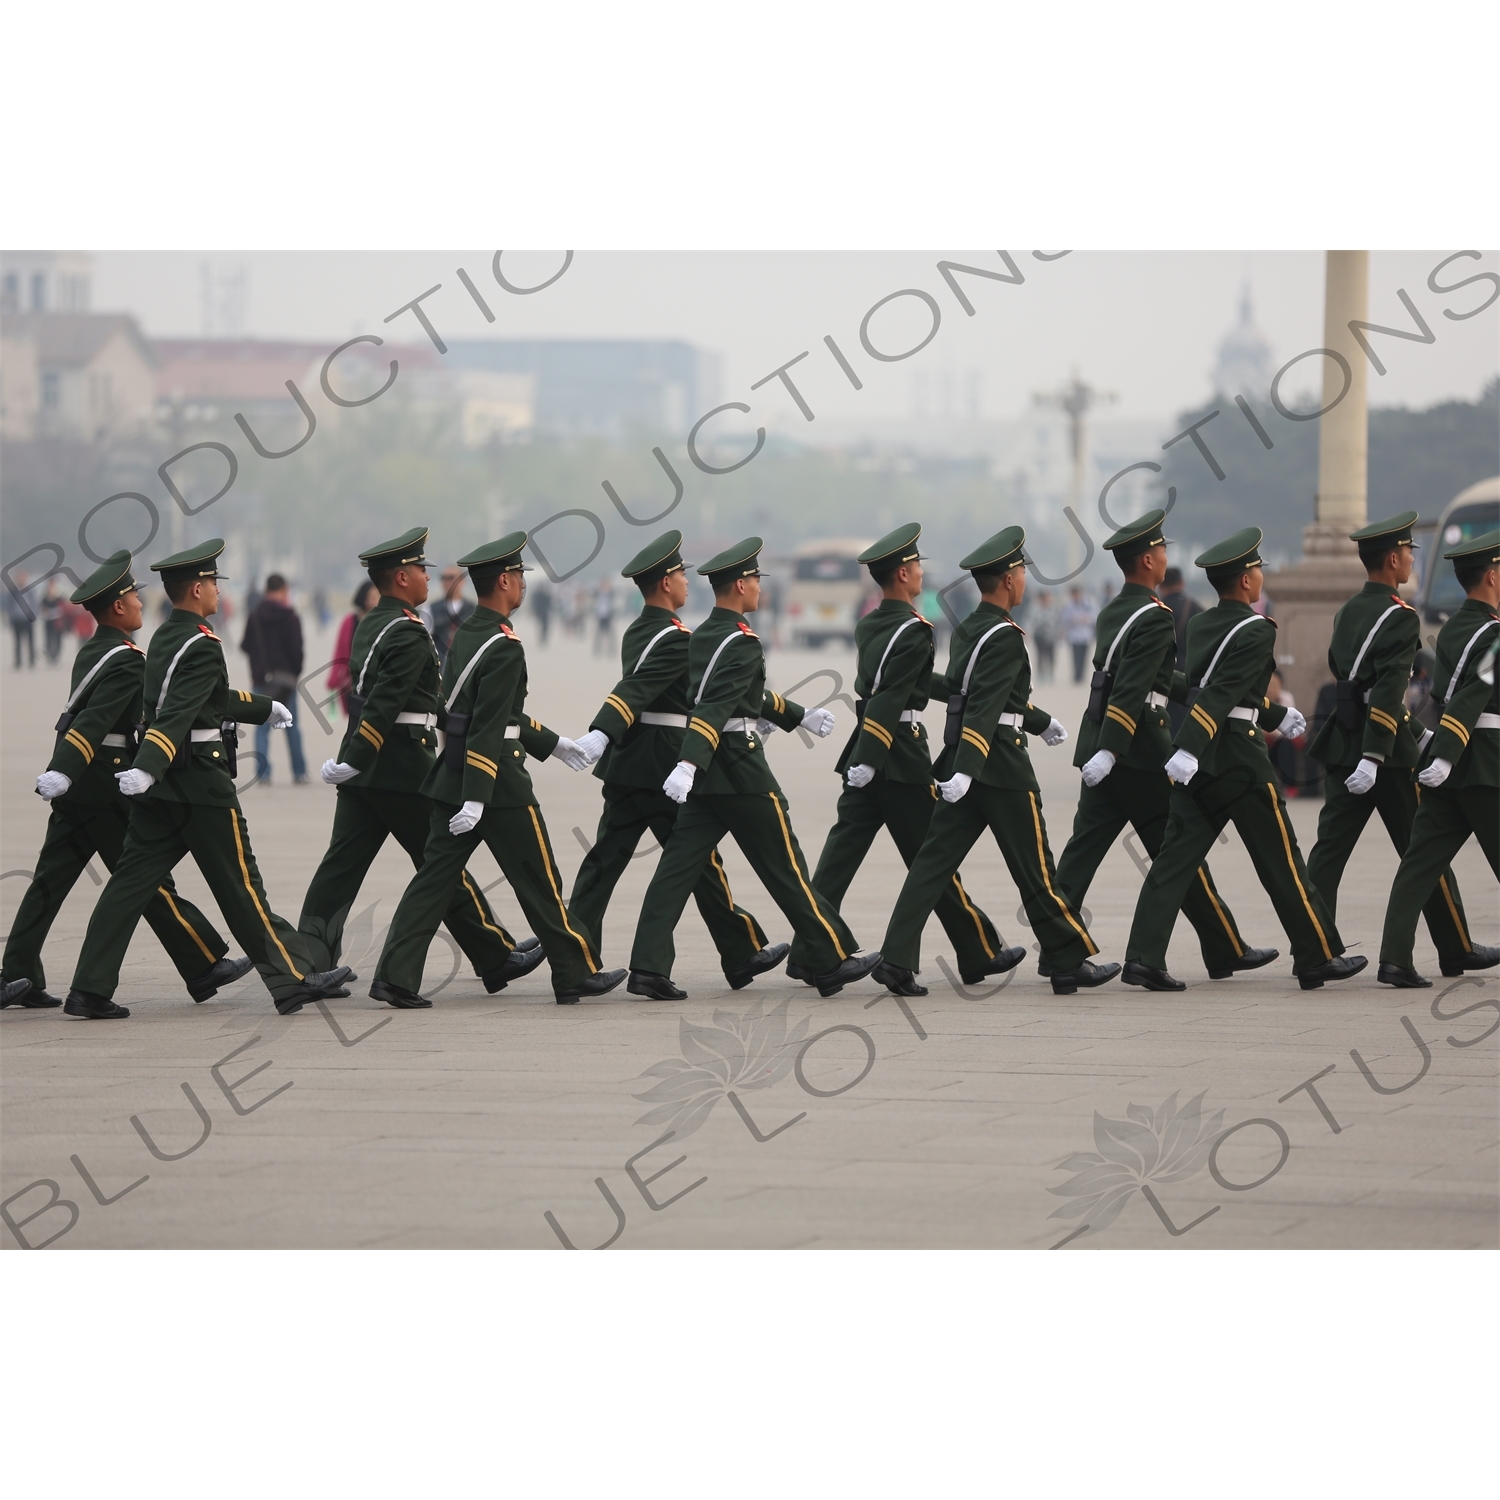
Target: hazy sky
{"x": 1143, "y": 325}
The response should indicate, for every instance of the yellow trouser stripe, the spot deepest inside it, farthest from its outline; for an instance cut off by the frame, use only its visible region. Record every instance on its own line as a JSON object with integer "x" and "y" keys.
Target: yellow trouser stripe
{"x": 880, "y": 732}
{"x": 1458, "y": 921}
{"x": 718, "y": 869}
{"x": 1041, "y": 859}
{"x": 162, "y": 743}
{"x": 1121, "y": 717}
{"x": 963, "y": 896}
{"x": 1239, "y": 951}
{"x": 484, "y": 920}
{"x": 541, "y": 843}
{"x": 622, "y": 708}
{"x": 81, "y": 745}
{"x": 369, "y": 732}
{"x": 239, "y": 847}
{"x": 812, "y": 900}
{"x": 1286, "y": 844}
{"x": 192, "y": 931}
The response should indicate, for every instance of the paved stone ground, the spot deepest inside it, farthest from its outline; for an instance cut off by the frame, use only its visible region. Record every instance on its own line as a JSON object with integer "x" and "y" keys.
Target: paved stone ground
{"x": 506, "y": 1121}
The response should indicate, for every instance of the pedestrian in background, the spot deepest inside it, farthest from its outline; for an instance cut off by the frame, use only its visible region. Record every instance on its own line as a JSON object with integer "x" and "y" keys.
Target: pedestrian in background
{"x": 1043, "y": 624}
{"x": 339, "y": 679}
{"x": 273, "y": 642}
{"x": 1078, "y": 618}
{"x": 604, "y": 618}
{"x": 541, "y": 609}
{"x": 450, "y": 611}
{"x": 21, "y": 620}
{"x": 54, "y": 621}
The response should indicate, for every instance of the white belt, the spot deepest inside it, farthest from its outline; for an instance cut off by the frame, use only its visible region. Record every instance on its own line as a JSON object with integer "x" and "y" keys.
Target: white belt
{"x": 1243, "y": 713}
{"x": 911, "y": 716}
{"x": 1012, "y": 721}
{"x": 427, "y": 721}
{"x": 512, "y": 732}
{"x": 667, "y": 721}
{"x": 1157, "y": 700}
{"x": 203, "y": 736}
{"x": 1484, "y": 721}
{"x": 740, "y": 726}
{"x": 118, "y": 741}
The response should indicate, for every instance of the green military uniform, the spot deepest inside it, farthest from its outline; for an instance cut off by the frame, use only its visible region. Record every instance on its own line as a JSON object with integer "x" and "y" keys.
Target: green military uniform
{"x": 1231, "y": 654}
{"x": 1465, "y": 800}
{"x": 734, "y": 791}
{"x": 98, "y": 740}
{"x": 483, "y": 771}
{"x": 1376, "y": 636}
{"x": 391, "y": 743}
{"x": 191, "y": 808}
{"x": 1135, "y": 655}
{"x": 892, "y": 682}
{"x": 988, "y": 689}
{"x": 644, "y": 720}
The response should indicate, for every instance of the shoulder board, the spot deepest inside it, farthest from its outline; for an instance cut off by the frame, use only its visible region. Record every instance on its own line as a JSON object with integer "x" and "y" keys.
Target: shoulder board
{"x": 210, "y": 634}
{"x": 747, "y": 630}
{"x": 505, "y": 630}
{"x": 410, "y": 616}
{"x": 923, "y": 618}
{"x": 683, "y": 628}
{"x": 135, "y": 648}
{"x": 1402, "y": 602}
{"x": 1162, "y": 604}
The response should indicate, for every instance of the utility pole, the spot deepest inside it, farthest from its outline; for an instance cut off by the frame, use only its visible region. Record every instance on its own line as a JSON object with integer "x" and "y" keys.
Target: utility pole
{"x": 1077, "y": 399}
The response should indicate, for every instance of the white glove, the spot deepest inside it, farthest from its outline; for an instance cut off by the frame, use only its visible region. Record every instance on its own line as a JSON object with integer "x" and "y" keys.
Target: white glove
{"x": 335, "y": 771}
{"x": 281, "y": 716}
{"x": 858, "y": 776}
{"x": 954, "y": 788}
{"x": 680, "y": 782}
{"x": 52, "y": 784}
{"x": 133, "y": 782}
{"x": 1098, "y": 766}
{"x": 593, "y": 745}
{"x": 570, "y": 754}
{"x": 1182, "y": 767}
{"x": 1055, "y": 733}
{"x": 1362, "y": 777}
{"x": 1426, "y": 735}
{"x": 1437, "y": 773}
{"x": 465, "y": 818}
{"x": 1293, "y": 726}
{"x": 764, "y": 727}
{"x": 818, "y": 721}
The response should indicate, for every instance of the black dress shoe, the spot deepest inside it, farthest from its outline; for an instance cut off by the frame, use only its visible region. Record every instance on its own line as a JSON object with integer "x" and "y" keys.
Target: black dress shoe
{"x": 526, "y": 944}
{"x": 393, "y": 994}
{"x": 796, "y": 971}
{"x": 1476, "y": 958}
{"x": 20, "y": 992}
{"x": 766, "y": 959}
{"x": 1401, "y": 979}
{"x": 1087, "y": 974}
{"x": 518, "y": 961}
{"x": 653, "y": 986}
{"x": 226, "y": 971}
{"x": 93, "y": 1007}
{"x": 1251, "y": 958}
{"x": 596, "y": 984}
{"x": 1149, "y": 978}
{"x": 1336, "y": 968}
{"x": 330, "y": 984}
{"x": 846, "y": 973}
{"x": 897, "y": 980}
{"x": 1002, "y": 963}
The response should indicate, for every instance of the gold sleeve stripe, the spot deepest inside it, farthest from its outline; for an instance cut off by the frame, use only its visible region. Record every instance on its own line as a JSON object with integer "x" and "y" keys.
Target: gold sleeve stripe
{"x": 1382, "y": 718}
{"x": 1454, "y": 726}
{"x": 481, "y": 764}
{"x": 157, "y": 738}
{"x": 622, "y": 708}
{"x": 478, "y": 759}
{"x": 977, "y": 740}
{"x": 81, "y": 745}
{"x": 1205, "y": 719}
{"x": 244, "y": 696}
{"x": 778, "y": 703}
{"x": 1120, "y": 717}
{"x": 373, "y": 735}
{"x": 706, "y": 730}
{"x": 880, "y": 732}
{"x": 536, "y": 724}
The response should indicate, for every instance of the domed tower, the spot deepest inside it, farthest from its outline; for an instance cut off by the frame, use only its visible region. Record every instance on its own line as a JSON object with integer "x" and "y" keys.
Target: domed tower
{"x": 1243, "y": 365}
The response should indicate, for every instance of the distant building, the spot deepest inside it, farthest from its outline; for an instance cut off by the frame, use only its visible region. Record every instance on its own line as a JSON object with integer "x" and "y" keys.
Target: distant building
{"x": 1244, "y": 364}
{"x": 83, "y": 376}
{"x": 39, "y": 281}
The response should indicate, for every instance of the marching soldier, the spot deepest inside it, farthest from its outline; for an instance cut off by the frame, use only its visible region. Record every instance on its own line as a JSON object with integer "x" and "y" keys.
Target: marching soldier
{"x": 185, "y": 803}
{"x": 480, "y": 792}
{"x": 1125, "y": 740}
{"x": 886, "y": 766}
{"x": 1460, "y": 781}
{"x": 726, "y": 786}
{"x": 1223, "y": 773}
{"x": 388, "y": 753}
{"x": 638, "y": 733}
{"x": 96, "y": 739}
{"x": 990, "y": 784}
{"x": 1371, "y": 745}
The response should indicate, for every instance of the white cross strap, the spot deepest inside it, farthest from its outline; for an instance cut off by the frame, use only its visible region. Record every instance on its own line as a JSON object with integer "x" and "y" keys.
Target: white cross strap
{"x": 94, "y": 671}
{"x": 473, "y": 662}
{"x": 1458, "y": 671}
{"x": 1109, "y": 655}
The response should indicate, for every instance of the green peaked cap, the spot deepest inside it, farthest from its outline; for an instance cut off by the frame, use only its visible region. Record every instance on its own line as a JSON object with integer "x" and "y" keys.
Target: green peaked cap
{"x": 108, "y": 581}
{"x": 1003, "y": 550}
{"x": 1233, "y": 555}
{"x": 894, "y": 548}
{"x": 192, "y": 562}
{"x": 1394, "y": 531}
{"x": 495, "y": 558}
{"x": 656, "y": 559}
{"x": 399, "y": 552}
{"x": 738, "y": 561}
{"x": 1137, "y": 536}
{"x": 1473, "y": 551}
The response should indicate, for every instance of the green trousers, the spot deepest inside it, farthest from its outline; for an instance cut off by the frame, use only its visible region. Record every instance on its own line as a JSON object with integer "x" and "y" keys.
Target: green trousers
{"x": 1015, "y": 819}
{"x": 74, "y": 835}
{"x": 630, "y": 812}
{"x": 1443, "y": 823}
{"x": 904, "y": 809}
{"x": 517, "y": 837}
{"x": 763, "y": 830}
{"x": 1343, "y": 819}
{"x": 1198, "y": 814}
{"x": 362, "y": 822}
{"x": 160, "y": 834}
{"x": 1142, "y": 799}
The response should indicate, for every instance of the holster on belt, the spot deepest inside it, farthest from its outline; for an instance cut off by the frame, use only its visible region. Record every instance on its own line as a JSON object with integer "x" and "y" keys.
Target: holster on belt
{"x": 457, "y": 739}
{"x": 64, "y": 720}
{"x": 953, "y": 726}
{"x": 229, "y": 736}
{"x": 184, "y": 755}
{"x": 1101, "y": 684}
{"x": 1349, "y": 705}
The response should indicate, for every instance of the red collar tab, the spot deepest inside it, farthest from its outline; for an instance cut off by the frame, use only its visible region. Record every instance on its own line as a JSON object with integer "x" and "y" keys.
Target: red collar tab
{"x": 1399, "y": 600}
{"x": 209, "y": 633}
{"x": 410, "y": 616}
{"x": 747, "y": 630}
{"x": 506, "y": 630}
{"x": 683, "y": 628}
{"x": 923, "y": 618}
